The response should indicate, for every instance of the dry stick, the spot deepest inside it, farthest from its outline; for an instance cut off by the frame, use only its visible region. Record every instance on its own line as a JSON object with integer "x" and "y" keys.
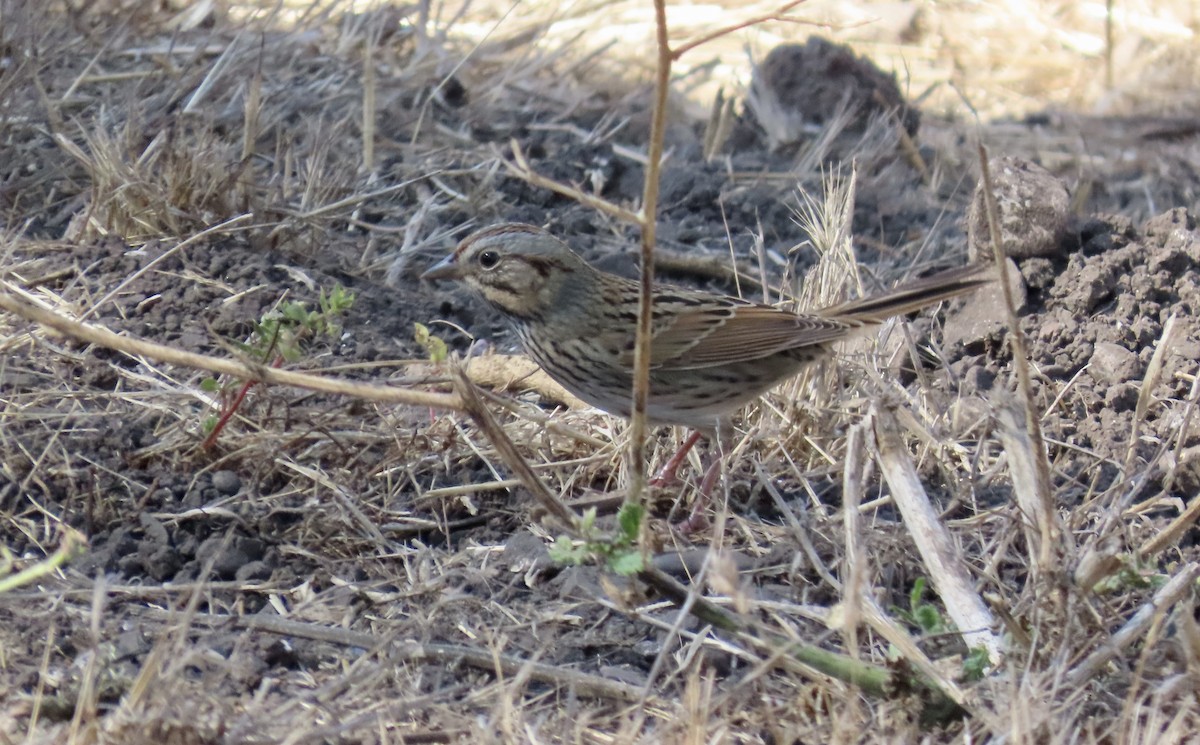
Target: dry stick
{"x": 473, "y": 406}
{"x": 1171, "y": 534}
{"x": 943, "y": 700}
{"x": 1022, "y": 469}
{"x": 649, "y": 224}
{"x": 1052, "y": 534}
{"x": 442, "y": 654}
{"x": 775, "y": 15}
{"x": 856, "y": 569}
{"x": 1166, "y": 343}
{"x": 909, "y": 651}
{"x": 466, "y": 399}
{"x": 942, "y": 557}
{"x": 523, "y": 170}
{"x": 1175, "y": 590}
{"x": 12, "y": 301}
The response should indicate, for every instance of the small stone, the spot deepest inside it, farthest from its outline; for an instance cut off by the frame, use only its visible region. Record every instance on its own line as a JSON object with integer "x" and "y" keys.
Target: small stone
{"x": 525, "y": 552}
{"x": 237, "y": 552}
{"x": 1113, "y": 363}
{"x": 156, "y": 532}
{"x": 981, "y": 321}
{"x": 978, "y": 379}
{"x": 1121, "y": 397}
{"x": 226, "y": 482}
{"x": 162, "y": 563}
{"x": 254, "y": 571}
{"x": 1033, "y": 211}
{"x": 1038, "y": 272}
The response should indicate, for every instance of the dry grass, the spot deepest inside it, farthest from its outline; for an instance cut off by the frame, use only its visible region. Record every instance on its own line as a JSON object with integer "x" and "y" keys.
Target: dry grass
{"x": 337, "y": 142}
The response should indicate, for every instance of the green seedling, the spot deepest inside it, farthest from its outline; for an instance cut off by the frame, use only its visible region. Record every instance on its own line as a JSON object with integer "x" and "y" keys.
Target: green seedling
{"x": 619, "y": 551}
{"x": 281, "y": 335}
{"x": 925, "y": 616}
{"x": 434, "y": 347}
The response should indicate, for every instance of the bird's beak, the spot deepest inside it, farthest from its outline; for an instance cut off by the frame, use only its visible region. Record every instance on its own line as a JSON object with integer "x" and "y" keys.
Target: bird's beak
{"x": 447, "y": 268}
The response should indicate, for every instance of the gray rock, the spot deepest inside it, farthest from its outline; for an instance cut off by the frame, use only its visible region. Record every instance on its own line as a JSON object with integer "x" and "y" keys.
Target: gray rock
{"x": 227, "y": 482}
{"x": 981, "y": 321}
{"x": 1113, "y": 363}
{"x": 1032, "y": 211}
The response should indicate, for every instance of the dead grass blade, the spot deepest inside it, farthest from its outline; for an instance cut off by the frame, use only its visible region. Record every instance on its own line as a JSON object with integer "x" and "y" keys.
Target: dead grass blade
{"x": 1052, "y": 546}
{"x": 1166, "y": 598}
{"x": 473, "y": 406}
{"x": 1041, "y": 522}
{"x": 943, "y": 560}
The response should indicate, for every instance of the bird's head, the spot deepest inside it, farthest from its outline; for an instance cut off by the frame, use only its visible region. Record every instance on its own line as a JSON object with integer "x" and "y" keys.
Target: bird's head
{"x": 520, "y": 269}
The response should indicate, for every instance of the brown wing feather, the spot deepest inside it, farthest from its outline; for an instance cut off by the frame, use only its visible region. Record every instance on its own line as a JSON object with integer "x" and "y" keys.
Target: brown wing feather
{"x": 725, "y": 331}
{"x": 708, "y": 337}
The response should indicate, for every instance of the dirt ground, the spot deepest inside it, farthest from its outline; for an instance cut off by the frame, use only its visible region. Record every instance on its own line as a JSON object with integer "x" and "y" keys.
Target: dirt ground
{"x": 337, "y": 570}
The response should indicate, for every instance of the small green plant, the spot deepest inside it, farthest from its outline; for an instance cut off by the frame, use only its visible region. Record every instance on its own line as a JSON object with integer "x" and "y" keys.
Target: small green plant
{"x": 1132, "y": 575}
{"x": 433, "y": 346}
{"x": 72, "y": 544}
{"x": 925, "y": 616}
{"x": 285, "y": 329}
{"x": 281, "y": 335}
{"x": 975, "y": 664}
{"x": 620, "y": 552}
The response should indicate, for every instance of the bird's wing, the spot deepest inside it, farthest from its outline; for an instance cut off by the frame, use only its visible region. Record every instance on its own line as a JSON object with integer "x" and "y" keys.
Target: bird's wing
{"x": 691, "y": 331}
{"x": 723, "y": 333}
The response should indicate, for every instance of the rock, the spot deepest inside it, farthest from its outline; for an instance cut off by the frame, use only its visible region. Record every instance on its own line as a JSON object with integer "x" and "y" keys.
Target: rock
{"x": 525, "y": 553}
{"x": 237, "y": 553}
{"x": 1038, "y": 272}
{"x": 1164, "y": 225}
{"x": 980, "y": 322}
{"x": 798, "y": 88}
{"x": 254, "y": 571}
{"x": 1032, "y": 211}
{"x": 226, "y": 482}
{"x": 1113, "y": 363}
{"x": 1121, "y": 397}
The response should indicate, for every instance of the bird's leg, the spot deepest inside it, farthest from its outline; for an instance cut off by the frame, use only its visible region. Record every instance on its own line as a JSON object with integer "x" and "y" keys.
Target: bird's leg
{"x": 666, "y": 475}
{"x": 697, "y": 520}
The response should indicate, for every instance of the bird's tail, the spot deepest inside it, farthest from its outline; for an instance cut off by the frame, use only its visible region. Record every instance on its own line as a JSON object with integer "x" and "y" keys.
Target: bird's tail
{"x": 913, "y": 295}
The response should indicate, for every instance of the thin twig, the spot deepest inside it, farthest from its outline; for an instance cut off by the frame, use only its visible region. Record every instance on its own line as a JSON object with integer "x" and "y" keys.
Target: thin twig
{"x": 12, "y": 302}
{"x": 1052, "y": 536}
{"x": 508, "y": 452}
{"x": 520, "y": 167}
{"x": 641, "y": 354}
{"x": 437, "y": 653}
{"x": 776, "y": 15}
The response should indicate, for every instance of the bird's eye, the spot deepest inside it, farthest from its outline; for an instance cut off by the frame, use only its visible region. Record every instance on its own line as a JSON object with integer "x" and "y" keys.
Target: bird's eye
{"x": 489, "y": 259}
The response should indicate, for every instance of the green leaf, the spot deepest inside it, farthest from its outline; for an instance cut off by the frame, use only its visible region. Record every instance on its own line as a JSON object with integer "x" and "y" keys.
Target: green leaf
{"x": 437, "y": 350}
{"x": 210, "y": 385}
{"x": 975, "y": 664}
{"x": 928, "y": 618}
{"x": 630, "y": 520}
{"x": 914, "y": 597}
{"x": 564, "y": 551}
{"x": 295, "y": 312}
{"x": 626, "y": 563}
{"x": 433, "y": 346}
{"x": 587, "y": 523}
